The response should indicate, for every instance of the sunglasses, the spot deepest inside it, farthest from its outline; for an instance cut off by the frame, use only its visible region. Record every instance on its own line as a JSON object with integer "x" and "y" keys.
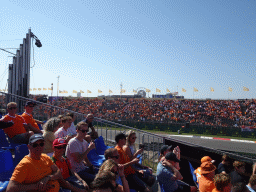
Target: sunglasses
{"x": 60, "y": 147}
{"x": 34, "y": 145}
{"x": 134, "y": 137}
{"x": 83, "y": 131}
{"x": 117, "y": 157}
{"x": 11, "y": 108}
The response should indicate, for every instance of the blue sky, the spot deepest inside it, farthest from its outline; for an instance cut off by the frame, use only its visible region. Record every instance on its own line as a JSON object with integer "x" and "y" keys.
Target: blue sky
{"x": 174, "y": 44}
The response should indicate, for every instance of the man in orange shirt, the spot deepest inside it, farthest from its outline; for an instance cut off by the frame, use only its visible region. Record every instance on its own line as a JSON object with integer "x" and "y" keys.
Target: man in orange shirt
{"x": 133, "y": 180}
{"x": 30, "y": 121}
{"x": 36, "y": 171}
{"x": 19, "y": 131}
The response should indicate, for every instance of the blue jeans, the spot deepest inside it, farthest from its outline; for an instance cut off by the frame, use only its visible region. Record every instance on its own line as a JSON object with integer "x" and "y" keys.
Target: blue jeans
{"x": 74, "y": 181}
{"x": 88, "y": 174}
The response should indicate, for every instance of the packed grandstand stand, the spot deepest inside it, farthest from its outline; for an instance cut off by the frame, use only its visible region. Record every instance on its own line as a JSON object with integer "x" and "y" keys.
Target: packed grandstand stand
{"x": 107, "y": 112}
{"x": 207, "y": 112}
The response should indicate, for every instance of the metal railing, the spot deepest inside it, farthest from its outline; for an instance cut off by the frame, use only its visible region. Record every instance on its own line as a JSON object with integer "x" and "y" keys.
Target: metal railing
{"x": 108, "y": 129}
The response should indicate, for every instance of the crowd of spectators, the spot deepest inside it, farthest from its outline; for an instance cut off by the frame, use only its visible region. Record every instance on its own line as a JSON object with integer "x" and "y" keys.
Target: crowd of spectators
{"x": 225, "y": 113}
{"x": 46, "y": 169}
{"x": 207, "y": 112}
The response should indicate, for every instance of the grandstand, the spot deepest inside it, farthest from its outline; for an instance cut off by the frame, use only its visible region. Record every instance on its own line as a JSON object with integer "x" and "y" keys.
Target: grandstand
{"x": 111, "y": 114}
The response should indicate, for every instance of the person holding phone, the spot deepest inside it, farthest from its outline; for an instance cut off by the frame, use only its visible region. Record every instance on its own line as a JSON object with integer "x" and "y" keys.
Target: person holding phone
{"x": 76, "y": 152}
{"x": 144, "y": 172}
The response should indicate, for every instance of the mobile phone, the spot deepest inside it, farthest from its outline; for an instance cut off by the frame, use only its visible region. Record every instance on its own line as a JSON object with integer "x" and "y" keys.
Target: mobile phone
{"x": 141, "y": 146}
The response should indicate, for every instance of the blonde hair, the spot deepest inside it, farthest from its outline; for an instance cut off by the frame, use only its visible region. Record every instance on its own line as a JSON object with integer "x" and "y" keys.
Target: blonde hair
{"x": 108, "y": 165}
{"x": 51, "y": 124}
{"x": 129, "y": 134}
{"x": 103, "y": 180}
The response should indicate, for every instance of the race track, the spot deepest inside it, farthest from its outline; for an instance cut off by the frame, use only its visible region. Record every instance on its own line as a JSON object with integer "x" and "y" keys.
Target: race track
{"x": 225, "y": 145}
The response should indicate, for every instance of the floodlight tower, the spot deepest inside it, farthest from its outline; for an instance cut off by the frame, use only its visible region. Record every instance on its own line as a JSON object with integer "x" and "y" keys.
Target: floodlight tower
{"x": 19, "y": 71}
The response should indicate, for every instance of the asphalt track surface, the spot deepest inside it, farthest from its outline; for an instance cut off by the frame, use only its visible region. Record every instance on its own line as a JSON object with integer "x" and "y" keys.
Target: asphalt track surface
{"x": 226, "y": 145}
{"x": 219, "y": 144}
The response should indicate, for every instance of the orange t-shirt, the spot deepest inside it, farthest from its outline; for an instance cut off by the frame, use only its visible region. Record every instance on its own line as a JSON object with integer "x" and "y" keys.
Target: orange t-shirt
{"x": 205, "y": 184}
{"x": 215, "y": 190}
{"x": 63, "y": 165}
{"x": 124, "y": 158}
{"x": 17, "y": 128}
{"x": 29, "y": 119}
{"x": 30, "y": 171}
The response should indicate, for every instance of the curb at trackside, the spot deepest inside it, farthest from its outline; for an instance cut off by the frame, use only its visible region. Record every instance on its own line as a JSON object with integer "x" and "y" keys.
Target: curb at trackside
{"x": 216, "y": 138}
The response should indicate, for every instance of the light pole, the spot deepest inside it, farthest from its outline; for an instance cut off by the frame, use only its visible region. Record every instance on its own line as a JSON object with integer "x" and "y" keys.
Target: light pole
{"x": 51, "y": 91}
{"x": 58, "y": 86}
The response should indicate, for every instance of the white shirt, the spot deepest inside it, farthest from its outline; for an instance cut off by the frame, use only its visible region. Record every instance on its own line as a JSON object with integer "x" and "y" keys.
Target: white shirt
{"x": 60, "y": 133}
{"x": 72, "y": 129}
{"x": 74, "y": 146}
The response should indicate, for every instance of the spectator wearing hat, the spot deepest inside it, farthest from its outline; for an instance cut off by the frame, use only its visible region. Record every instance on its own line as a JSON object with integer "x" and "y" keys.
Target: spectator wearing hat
{"x": 76, "y": 152}
{"x": 71, "y": 180}
{"x": 133, "y": 180}
{"x": 163, "y": 151}
{"x": 36, "y": 171}
{"x": 225, "y": 165}
{"x": 19, "y": 132}
{"x": 252, "y": 183}
{"x": 30, "y": 121}
{"x": 206, "y": 183}
{"x": 166, "y": 149}
{"x": 169, "y": 177}
{"x": 197, "y": 172}
{"x": 238, "y": 174}
{"x": 222, "y": 183}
